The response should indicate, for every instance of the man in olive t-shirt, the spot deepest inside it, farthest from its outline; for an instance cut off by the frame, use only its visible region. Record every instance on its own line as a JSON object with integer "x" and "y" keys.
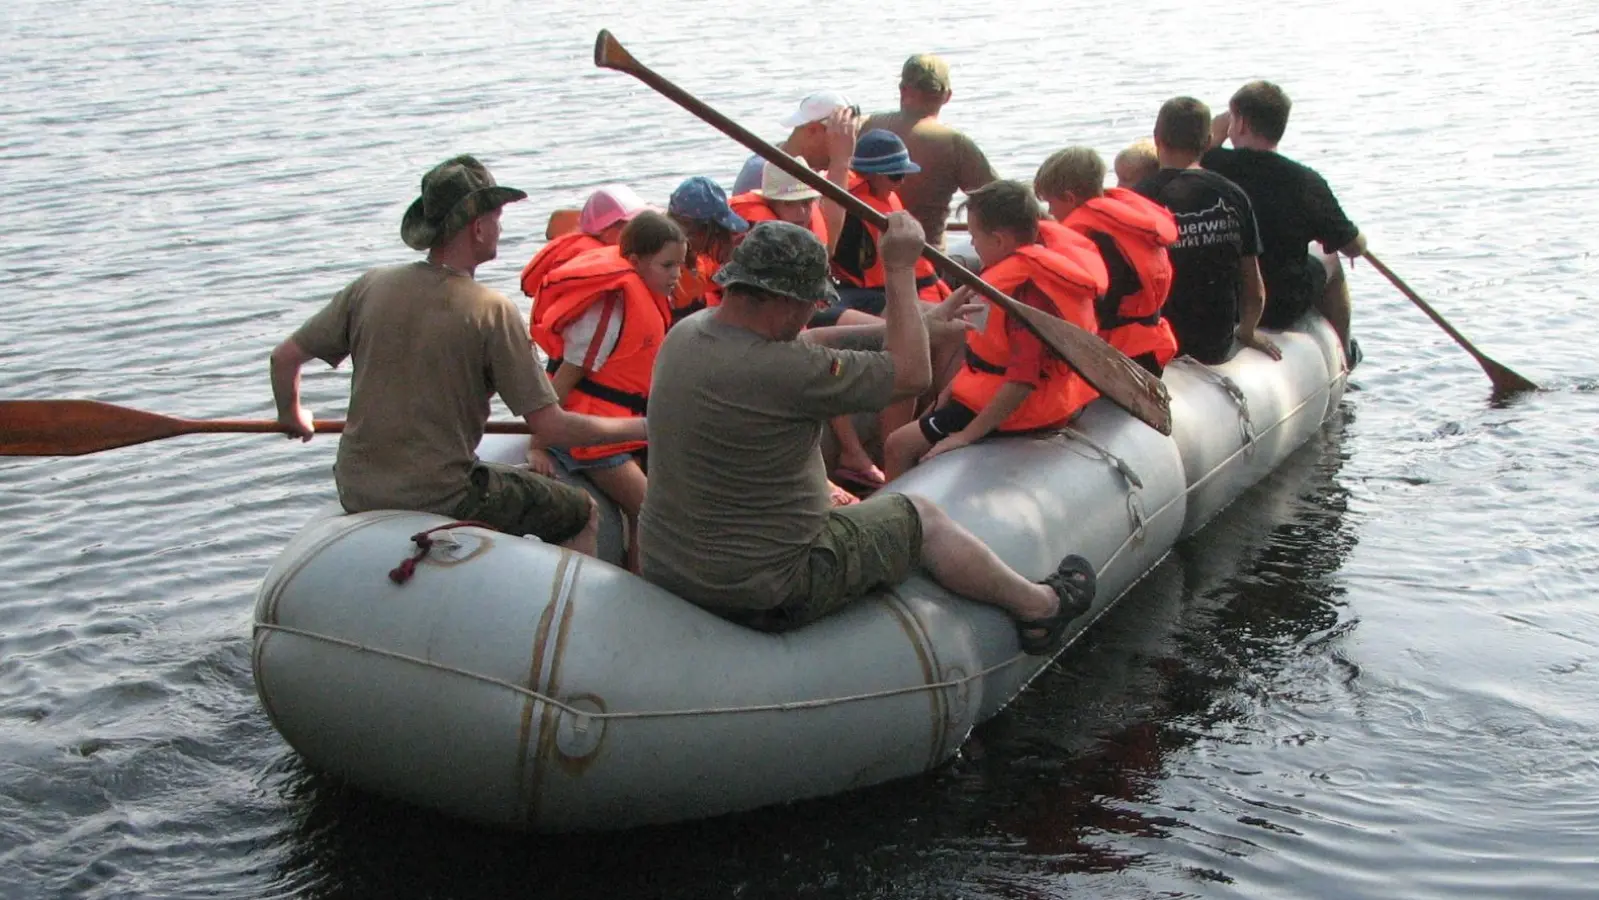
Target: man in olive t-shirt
{"x": 430, "y": 346}
{"x": 737, "y": 519}
{"x": 949, "y": 159}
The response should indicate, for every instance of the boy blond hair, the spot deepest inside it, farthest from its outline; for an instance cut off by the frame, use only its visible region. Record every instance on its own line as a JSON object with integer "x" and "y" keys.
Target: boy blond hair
{"x": 1136, "y": 162}
{"x": 1076, "y": 172}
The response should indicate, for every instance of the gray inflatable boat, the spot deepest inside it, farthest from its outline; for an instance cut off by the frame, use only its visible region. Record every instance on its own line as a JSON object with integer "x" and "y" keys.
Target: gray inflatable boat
{"x": 515, "y": 683}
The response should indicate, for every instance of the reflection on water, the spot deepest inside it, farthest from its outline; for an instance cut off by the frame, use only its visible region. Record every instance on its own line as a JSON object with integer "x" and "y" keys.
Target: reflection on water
{"x": 1065, "y": 784}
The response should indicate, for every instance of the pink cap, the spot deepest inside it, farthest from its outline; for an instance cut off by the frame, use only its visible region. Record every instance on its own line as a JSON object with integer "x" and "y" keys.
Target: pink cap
{"x": 608, "y": 205}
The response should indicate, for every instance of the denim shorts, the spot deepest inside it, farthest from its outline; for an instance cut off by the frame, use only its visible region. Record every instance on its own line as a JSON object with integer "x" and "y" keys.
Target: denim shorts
{"x": 589, "y": 465}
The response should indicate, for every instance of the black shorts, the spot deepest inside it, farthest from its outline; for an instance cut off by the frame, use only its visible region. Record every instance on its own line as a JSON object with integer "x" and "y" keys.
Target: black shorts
{"x": 1291, "y": 295}
{"x": 945, "y": 421}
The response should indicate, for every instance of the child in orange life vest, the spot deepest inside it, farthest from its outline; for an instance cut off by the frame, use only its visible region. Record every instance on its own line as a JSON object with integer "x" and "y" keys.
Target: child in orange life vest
{"x": 601, "y": 318}
{"x": 600, "y": 224}
{"x": 699, "y": 207}
{"x": 1009, "y": 382}
{"x": 1132, "y": 233}
{"x": 782, "y": 197}
{"x": 880, "y": 163}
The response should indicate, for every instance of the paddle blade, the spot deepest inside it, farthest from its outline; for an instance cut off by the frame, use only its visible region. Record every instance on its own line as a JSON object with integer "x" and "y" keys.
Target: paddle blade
{"x": 1124, "y": 382}
{"x": 610, "y": 54}
{"x": 1505, "y": 381}
{"x": 76, "y": 427}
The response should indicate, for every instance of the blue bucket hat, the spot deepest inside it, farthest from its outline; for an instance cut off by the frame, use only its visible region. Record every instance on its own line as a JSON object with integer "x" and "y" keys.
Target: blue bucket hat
{"x": 703, "y": 200}
{"x": 880, "y": 152}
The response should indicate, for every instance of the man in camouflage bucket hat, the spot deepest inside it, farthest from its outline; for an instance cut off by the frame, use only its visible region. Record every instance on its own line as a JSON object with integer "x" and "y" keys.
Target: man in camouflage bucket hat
{"x": 430, "y": 346}
{"x": 781, "y": 258}
{"x": 737, "y": 519}
{"x": 454, "y": 192}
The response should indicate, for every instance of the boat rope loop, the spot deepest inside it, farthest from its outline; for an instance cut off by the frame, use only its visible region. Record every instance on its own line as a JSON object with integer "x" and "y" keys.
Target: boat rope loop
{"x": 1246, "y": 426}
{"x": 582, "y": 716}
{"x": 1135, "y": 505}
{"x": 424, "y": 542}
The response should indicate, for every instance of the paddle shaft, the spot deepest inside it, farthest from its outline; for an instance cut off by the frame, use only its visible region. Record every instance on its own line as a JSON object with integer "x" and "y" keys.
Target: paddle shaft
{"x": 1127, "y": 385}
{"x": 1505, "y": 380}
{"x": 77, "y": 427}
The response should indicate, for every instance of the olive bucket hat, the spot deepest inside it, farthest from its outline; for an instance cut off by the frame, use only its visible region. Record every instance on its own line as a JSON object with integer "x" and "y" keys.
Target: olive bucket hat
{"x": 454, "y": 192}
{"x": 781, "y": 258}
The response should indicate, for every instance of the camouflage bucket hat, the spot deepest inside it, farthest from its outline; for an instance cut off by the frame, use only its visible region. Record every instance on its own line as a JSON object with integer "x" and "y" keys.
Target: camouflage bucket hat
{"x": 454, "y": 192}
{"x": 781, "y": 258}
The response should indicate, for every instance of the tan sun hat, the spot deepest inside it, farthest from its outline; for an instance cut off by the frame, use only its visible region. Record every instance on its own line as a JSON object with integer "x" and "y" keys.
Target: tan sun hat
{"x": 777, "y": 184}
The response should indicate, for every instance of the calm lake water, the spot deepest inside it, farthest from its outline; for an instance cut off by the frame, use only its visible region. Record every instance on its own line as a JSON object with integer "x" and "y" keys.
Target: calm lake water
{"x": 1377, "y": 676}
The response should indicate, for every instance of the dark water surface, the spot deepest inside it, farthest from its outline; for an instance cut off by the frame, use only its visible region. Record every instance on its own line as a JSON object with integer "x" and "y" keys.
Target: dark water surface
{"x": 1378, "y": 676}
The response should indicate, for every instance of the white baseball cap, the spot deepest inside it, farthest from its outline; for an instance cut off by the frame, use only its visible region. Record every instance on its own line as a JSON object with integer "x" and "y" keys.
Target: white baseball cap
{"x": 816, "y": 107}
{"x": 777, "y": 184}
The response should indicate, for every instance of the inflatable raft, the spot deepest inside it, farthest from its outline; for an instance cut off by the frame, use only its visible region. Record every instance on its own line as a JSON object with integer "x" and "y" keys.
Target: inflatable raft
{"x": 515, "y": 683}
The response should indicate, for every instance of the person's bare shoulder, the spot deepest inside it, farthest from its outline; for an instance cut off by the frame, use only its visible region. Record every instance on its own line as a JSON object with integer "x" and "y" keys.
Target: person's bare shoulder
{"x": 888, "y": 121}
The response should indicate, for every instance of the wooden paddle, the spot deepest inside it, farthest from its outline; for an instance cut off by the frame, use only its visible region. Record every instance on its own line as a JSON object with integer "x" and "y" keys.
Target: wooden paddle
{"x": 1505, "y": 381}
{"x": 1114, "y": 375}
{"x": 562, "y": 221}
{"x": 76, "y": 427}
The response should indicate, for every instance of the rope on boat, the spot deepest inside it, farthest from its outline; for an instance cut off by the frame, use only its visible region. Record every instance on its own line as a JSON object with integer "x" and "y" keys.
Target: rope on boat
{"x": 582, "y": 716}
{"x": 424, "y": 542}
{"x": 1248, "y": 448}
{"x": 641, "y": 713}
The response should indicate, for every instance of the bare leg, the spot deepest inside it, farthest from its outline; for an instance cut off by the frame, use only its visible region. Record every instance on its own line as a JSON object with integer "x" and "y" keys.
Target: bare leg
{"x": 903, "y": 448}
{"x": 949, "y": 353}
{"x": 894, "y": 417}
{"x": 965, "y": 565}
{"x": 625, "y": 485}
{"x": 587, "y": 541}
{"x": 851, "y": 452}
{"x": 1334, "y": 302}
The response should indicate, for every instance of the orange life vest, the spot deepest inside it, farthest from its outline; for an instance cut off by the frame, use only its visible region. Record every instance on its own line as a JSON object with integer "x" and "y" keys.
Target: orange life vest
{"x": 1072, "y": 289}
{"x": 554, "y": 255}
{"x": 857, "y": 263}
{"x": 1141, "y": 230}
{"x": 754, "y": 208}
{"x": 620, "y": 388}
{"x": 1075, "y": 246}
{"x": 695, "y": 290}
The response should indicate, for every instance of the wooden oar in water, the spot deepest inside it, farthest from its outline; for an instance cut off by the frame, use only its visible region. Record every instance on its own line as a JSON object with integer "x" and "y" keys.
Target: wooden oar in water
{"x": 1114, "y": 375}
{"x": 76, "y": 427}
{"x": 1505, "y": 380}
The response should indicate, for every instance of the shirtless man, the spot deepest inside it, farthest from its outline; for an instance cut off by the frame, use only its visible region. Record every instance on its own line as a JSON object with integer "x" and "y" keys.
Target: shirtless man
{"x": 949, "y": 159}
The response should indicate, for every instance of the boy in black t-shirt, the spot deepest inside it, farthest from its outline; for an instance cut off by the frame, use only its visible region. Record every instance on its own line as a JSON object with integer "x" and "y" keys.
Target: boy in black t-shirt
{"x": 1216, "y": 291}
{"x": 1294, "y": 206}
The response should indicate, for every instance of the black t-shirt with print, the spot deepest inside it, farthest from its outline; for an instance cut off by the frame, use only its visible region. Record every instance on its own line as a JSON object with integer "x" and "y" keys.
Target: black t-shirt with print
{"x": 1294, "y": 206}
{"x": 1215, "y": 229}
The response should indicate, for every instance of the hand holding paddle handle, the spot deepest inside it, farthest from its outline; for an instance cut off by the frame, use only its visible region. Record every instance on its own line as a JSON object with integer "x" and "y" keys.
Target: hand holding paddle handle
{"x": 1114, "y": 375}
{"x": 76, "y": 427}
{"x": 1505, "y": 381}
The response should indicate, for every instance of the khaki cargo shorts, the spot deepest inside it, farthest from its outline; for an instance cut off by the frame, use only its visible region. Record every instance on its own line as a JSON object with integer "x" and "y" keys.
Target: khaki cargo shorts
{"x": 517, "y": 501}
{"x": 863, "y": 547}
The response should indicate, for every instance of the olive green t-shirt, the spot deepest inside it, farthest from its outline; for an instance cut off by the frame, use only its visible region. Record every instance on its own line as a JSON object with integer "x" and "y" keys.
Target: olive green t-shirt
{"x": 737, "y": 487}
{"x": 429, "y": 348}
{"x": 949, "y": 159}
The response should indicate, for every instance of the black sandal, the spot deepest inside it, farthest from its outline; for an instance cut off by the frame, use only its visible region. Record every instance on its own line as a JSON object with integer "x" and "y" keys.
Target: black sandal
{"x": 1074, "y": 583}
